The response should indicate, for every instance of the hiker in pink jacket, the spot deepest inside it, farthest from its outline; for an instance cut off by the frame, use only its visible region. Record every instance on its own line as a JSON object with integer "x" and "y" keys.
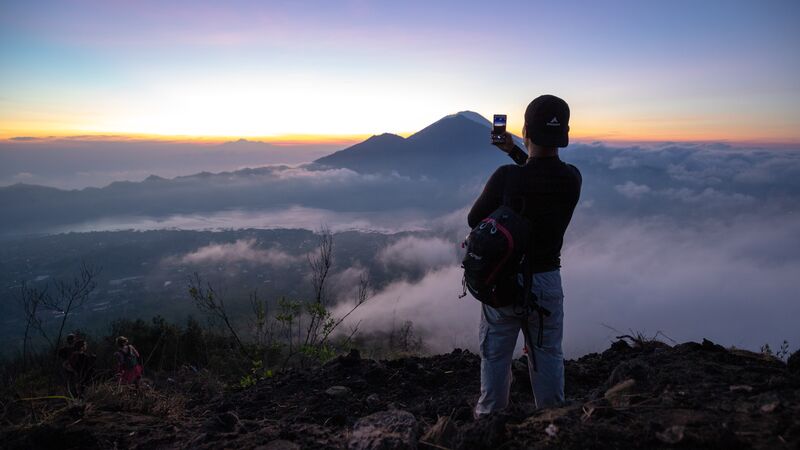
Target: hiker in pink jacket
{"x": 129, "y": 363}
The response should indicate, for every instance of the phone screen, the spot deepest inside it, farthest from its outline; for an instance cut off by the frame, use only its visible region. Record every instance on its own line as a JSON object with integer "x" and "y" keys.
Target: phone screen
{"x": 499, "y": 128}
{"x": 499, "y": 123}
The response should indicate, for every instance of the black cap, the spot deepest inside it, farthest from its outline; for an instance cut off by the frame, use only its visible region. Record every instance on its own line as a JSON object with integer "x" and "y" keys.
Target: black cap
{"x": 547, "y": 121}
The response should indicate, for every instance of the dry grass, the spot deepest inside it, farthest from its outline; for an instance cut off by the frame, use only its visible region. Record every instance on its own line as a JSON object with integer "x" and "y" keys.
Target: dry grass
{"x": 111, "y": 396}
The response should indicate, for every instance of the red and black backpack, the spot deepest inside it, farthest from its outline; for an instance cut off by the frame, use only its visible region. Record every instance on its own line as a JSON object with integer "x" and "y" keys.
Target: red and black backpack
{"x": 495, "y": 254}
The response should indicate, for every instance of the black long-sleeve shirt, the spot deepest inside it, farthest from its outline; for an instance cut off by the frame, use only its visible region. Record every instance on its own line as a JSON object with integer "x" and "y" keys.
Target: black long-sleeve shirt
{"x": 546, "y": 190}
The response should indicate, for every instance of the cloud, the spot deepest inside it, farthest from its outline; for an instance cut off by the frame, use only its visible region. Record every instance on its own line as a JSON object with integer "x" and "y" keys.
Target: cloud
{"x": 622, "y": 162}
{"x": 344, "y": 284}
{"x": 432, "y": 304}
{"x": 413, "y": 252}
{"x": 23, "y": 176}
{"x": 732, "y": 281}
{"x": 708, "y": 196}
{"x": 632, "y": 190}
{"x": 243, "y": 250}
{"x": 387, "y": 222}
{"x": 76, "y": 162}
{"x": 693, "y": 240}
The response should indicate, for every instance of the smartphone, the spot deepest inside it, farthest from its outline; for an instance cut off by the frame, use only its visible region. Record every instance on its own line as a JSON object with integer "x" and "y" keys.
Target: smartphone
{"x": 499, "y": 129}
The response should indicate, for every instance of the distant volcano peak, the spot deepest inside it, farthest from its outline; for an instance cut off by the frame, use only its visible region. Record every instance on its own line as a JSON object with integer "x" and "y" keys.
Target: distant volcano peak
{"x": 473, "y": 116}
{"x": 460, "y": 142}
{"x": 384, "y": 137}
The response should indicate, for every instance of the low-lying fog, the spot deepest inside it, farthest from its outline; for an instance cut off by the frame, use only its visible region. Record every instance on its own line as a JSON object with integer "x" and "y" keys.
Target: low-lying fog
{"x": 693, "y": 241}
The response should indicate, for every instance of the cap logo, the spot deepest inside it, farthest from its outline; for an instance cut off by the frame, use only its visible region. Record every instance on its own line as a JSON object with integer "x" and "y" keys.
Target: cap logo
{"x": 553, "y": 122}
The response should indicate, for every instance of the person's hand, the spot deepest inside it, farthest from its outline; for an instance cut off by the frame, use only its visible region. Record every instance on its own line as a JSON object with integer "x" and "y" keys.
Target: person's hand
{"x": 507, "y": 145}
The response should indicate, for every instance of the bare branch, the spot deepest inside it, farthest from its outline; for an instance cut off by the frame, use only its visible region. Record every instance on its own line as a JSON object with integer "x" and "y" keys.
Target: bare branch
{"x": 320, "y": 263}
{"x": 31, "y": 299}
{"x": 362, "y": 295}
{"x": 71, "y": 295}
{"x": 207, "y": 300}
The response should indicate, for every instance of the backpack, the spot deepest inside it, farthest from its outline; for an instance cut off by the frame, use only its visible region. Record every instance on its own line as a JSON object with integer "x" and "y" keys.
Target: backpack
{"x": 495, "y": 254}
{"x": 130, "y": 359}
{"x": 495, "y": 257}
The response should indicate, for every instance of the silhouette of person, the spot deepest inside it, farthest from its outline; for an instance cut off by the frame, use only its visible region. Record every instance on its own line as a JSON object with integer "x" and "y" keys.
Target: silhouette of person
{"x": 81, "y": 366}
{"x": 129, "y": 363}
{"x": 550, "y": 189}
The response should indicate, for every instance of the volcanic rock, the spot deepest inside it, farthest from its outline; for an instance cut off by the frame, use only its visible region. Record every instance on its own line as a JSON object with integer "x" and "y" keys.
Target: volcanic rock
{"x": 385, "y": 430}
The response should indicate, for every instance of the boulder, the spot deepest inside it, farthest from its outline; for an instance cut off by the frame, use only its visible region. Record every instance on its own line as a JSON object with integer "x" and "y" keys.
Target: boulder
{"x": 373, "y": 399}
{"x": 710, "y": 346}
{"x": 227, "y": 422}
{"x": 632, "y": 369}
{"x": 338, "y": 391}
{"x": 619, "y": 394}
{"x": 671, "y": 435}
{"x": 794, "y": 362}
{"x": 442, "y": 434}
{"x": 279, "y": 444}
{"x": 385, "y": 430}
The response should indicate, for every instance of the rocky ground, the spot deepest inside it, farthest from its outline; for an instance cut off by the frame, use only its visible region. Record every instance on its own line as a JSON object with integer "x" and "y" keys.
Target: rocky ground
{"x": 640, "y": 395}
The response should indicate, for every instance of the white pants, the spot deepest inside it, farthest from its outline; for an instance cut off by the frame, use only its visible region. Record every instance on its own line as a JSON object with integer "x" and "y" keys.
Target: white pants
{"x": 499, "y": 330}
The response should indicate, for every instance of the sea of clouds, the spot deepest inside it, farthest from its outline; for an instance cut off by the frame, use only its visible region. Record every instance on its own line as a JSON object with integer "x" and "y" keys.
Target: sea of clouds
{"x": 694, "y": 241}
{"x": 704, "y": 244}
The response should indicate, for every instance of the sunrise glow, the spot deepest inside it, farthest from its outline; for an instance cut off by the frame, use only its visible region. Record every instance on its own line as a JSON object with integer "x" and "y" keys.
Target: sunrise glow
{"x": 328, "y": 72}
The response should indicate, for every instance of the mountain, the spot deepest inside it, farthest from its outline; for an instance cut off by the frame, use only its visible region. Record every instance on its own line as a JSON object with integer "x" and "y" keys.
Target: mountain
{"x": 455, "y": 146}
{"x": 428, "y": 171}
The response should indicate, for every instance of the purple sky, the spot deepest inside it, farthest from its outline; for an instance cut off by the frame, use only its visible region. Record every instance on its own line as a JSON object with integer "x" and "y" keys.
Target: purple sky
{"x": 715, "y": 70}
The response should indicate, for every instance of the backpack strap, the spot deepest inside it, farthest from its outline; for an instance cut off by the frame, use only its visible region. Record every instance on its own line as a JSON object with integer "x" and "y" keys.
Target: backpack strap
{"x": 530, "y": 304}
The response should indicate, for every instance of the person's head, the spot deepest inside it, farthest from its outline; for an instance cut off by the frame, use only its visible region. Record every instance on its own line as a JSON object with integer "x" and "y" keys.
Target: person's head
{"x": 546, "y": 124}
{"x": 70, "y": 339}
{"x": 122, "y": 341}
{"x": 79, "y": 345}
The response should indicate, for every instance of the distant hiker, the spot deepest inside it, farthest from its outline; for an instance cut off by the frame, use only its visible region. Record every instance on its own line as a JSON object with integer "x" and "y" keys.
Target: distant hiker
{"x": 129, "y": 362}
{"x": 63, "y": 354}
{"x": 544, "y": 190}
{"x": 65, "y": 351}
{"x": 81, "y": 367}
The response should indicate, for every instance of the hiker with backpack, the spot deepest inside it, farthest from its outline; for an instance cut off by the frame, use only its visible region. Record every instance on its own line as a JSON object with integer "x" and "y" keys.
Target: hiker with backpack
{"x": 129, "y": 362}
{"x": 65, "y": 351}
{"x": 80, "y": 365}
{"x": 63, "y": 354}
{"x": 512, "y": 264}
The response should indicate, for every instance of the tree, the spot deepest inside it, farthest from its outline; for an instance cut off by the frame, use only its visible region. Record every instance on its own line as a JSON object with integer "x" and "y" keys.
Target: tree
{"x": 31, "y": 299}
{"x": 320, "y": 263}
{"x": 209, "y": 301}
{"x": 69, "y": 296}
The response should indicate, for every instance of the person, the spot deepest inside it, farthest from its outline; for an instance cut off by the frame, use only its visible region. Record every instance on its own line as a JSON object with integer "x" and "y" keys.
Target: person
{"x": 63, "y": 354}
{"x": 65, "y": 351}
{"x": 129, "y": 367}
{"x": 81, "y": 367}
{"x": 549, "y": 190}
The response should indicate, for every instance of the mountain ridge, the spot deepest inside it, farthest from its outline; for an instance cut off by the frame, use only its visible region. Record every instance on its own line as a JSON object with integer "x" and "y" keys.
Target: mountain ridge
{"x": 433, "y": 171}
{"x": 457, "y": 145}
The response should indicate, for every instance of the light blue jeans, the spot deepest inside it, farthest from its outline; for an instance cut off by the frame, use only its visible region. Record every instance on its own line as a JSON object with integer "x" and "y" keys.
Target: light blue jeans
{"x": 499, "y": 330}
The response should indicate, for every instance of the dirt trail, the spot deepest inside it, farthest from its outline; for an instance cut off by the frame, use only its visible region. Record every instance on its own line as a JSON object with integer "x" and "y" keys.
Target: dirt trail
{"x": 691, "y": 396}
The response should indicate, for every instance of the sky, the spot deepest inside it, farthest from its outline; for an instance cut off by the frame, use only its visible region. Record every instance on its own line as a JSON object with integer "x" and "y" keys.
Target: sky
{"x": 289, "y": 71}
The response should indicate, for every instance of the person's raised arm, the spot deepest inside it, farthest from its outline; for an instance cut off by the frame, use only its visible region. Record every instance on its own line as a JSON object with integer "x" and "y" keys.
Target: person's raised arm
{"x": 512, "y": 150}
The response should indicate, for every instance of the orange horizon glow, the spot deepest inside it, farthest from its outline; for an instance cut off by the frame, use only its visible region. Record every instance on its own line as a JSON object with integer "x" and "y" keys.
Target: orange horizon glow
{"x": 347, "y": 140}
{"x": 292, "y": 75}
{"x": 284, "y": 139}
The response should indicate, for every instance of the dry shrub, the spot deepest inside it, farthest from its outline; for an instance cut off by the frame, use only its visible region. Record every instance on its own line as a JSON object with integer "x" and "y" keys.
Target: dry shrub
{"x": 111, "y": 396}
{"x": 206, "y": 386}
